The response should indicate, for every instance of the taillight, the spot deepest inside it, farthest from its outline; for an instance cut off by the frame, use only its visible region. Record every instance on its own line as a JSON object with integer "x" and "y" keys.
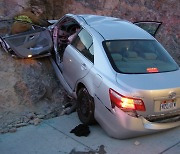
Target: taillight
{"x": 152, "y": 70}
{"x": 126, "y": 103}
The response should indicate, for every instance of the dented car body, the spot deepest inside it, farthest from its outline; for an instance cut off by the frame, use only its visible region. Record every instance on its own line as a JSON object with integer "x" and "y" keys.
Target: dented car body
{"x": 121, "y": 75}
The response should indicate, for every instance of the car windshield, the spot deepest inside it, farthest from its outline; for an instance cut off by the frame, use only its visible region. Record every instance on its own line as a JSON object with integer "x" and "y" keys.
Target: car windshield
{"x": 139, "y": 56}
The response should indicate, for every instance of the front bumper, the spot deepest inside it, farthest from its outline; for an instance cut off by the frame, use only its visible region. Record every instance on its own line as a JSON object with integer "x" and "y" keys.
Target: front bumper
{"x": 119, "y": 124}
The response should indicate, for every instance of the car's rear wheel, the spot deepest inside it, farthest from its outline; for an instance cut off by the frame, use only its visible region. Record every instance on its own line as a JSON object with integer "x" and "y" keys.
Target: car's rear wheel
{"x": 85, "y": 107}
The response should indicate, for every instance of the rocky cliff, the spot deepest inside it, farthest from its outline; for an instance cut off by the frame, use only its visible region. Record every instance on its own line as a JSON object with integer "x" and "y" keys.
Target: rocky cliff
{"x": 29, "y": 92}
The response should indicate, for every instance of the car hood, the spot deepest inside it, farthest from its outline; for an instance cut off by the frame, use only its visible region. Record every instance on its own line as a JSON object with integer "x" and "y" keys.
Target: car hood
{"x": 152, "y": 81}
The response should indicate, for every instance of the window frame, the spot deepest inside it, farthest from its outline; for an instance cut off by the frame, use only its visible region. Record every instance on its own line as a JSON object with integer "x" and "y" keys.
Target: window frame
{"x": 86, "y": 54}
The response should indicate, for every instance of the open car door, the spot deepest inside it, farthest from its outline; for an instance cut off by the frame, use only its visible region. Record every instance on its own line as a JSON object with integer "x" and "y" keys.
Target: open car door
{"x": 149, "y": 26}
{"x": 32, "y": 41}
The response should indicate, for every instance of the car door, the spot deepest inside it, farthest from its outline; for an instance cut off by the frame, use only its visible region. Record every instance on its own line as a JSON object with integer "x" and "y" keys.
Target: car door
{"x": 30, "y": 40}
{"x": 149, "y": 26}
{"x": 78, "y": 58}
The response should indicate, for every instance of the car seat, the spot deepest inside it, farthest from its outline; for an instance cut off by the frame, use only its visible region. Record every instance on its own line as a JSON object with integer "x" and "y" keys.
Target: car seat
{"x": 131, "y": 55}
{"x": 150, "y": 56}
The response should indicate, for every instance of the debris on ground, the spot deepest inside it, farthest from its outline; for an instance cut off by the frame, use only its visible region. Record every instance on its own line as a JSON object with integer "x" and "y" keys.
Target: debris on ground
{"x": 81, "y": 130}
{"x": 100, "y": 150}
{"x": 137, "y": 143}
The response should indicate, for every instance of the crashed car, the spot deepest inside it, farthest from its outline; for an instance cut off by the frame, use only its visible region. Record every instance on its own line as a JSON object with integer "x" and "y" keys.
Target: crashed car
{"x": 120, "y": 74}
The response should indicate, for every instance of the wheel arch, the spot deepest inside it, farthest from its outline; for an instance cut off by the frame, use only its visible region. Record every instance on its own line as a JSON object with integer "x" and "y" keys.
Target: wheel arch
{"x": 79, "y": 86}
{"x": 82, "y": 85}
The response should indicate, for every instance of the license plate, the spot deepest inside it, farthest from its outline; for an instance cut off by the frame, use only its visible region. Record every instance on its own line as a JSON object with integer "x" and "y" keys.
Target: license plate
{"x": 168, "y": 105}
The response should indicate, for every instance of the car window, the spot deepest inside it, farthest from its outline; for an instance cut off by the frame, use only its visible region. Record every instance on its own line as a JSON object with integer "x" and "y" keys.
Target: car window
{"x": 139, "y": 56}
{"x": 149, "y": 26}
{"x": 84, "y": 43}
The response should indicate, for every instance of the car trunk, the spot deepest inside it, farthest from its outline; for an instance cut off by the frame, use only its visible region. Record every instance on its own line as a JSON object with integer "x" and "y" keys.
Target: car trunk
{"x": 160, "y": 93}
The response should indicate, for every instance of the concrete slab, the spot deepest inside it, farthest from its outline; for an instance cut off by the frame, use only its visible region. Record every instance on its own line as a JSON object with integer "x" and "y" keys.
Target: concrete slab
{"x": 53, "y": 136}
{"x": 151, "y": 144}
{"x": 41, "y": 139}
{"x": 175, "y": 149}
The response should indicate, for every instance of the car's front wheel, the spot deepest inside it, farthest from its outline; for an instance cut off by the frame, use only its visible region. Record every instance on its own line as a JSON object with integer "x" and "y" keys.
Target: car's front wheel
{"x": 85, "y": 107}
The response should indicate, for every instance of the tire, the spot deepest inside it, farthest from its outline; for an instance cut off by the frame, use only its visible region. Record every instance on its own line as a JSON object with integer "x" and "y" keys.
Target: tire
{"x": 85, "y": 107}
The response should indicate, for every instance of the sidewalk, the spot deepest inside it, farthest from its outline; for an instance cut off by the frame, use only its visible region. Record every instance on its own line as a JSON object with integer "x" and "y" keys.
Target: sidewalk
{"x": 53, "y": 137}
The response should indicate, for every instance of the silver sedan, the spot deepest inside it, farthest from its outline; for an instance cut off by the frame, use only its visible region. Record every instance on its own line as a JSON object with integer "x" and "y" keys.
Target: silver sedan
{"x": 120, "y": 74}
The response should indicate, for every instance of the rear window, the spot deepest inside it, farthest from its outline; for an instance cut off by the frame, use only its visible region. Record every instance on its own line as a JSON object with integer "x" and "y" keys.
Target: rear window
{"x": 139, "y": 56}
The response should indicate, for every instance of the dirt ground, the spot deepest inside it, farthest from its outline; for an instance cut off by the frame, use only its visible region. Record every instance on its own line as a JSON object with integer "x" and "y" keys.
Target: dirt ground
{"x": 29, "y": 92}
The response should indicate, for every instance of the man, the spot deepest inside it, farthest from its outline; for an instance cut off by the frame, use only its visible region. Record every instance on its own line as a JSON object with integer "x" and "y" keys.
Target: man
{"x": 71, "y": 37}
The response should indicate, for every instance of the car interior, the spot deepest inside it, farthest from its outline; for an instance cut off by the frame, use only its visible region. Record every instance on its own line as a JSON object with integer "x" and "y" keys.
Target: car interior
{"x": 66, "y": 29}
{"x": 137, "y": 56}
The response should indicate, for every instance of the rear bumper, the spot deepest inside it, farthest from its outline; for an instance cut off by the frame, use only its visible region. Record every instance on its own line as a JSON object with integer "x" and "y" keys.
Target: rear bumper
{"x": 119, "y": 124}
{"x": 159, "y": 126}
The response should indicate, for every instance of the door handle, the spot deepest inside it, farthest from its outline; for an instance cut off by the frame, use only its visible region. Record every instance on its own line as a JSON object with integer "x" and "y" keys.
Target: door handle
{"x": 83, "y": 66}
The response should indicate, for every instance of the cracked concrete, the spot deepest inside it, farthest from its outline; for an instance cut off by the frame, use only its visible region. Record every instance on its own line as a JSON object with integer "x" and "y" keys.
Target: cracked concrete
{"x": 53, "y": 136}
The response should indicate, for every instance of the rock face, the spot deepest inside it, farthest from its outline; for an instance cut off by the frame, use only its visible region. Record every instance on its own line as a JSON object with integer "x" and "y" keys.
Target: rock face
{"x": 29, "y": 91}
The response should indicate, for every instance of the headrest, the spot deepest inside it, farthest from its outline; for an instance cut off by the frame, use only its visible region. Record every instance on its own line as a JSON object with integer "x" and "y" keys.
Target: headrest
{"x": 116, "y": 57}
{"x": 131, "y": 54}
{"x": 150, "y": 56}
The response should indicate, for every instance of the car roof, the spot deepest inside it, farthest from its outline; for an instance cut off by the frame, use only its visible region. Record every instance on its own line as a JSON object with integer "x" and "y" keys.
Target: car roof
{"x": 114, "y": 28}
